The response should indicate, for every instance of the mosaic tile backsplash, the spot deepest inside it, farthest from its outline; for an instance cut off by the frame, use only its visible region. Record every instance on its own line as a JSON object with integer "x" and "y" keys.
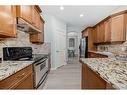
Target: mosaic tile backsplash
{"x": 22, "y": 40}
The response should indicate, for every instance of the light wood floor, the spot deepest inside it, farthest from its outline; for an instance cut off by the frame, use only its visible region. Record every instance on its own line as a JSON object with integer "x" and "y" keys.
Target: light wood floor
{"x": 65, "y": 77}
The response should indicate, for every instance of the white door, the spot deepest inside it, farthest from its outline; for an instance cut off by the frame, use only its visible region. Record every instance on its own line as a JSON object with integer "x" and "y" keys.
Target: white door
{"x": 60, "y": 47}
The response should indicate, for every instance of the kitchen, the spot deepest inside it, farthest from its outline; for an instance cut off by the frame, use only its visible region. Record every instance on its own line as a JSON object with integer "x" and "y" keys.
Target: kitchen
{"x": 105, "y": 66}
{"x": 34, "y": 47}
{"x": 25, "y": 57}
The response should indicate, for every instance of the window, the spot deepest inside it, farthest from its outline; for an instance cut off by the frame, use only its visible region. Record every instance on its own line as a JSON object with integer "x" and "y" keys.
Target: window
{"x": 71, "y": 42}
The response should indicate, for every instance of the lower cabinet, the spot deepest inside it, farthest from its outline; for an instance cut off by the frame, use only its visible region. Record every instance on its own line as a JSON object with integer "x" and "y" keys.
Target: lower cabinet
{"x": 91, "y": 80}
{"x": 23, "y": 79}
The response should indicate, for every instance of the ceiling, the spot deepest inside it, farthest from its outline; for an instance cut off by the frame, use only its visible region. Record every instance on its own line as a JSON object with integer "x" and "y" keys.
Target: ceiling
{"x": 70, "y": 14}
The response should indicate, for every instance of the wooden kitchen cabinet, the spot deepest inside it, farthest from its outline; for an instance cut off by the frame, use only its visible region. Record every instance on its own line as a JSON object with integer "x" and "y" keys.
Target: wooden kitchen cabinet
{"x": 91, "y": 46}
{"x": 22, "y": 79}
{"x": 107, "y": 24}
{"x": 111, "y": 29}
{"x": 36, "y": 17}
{"x": 37, "y": 38}
{"x": 85, "y": 33}
{"x": 118, "y": 28}
{"x": 7, "y": 21}
{"x": 25, "y": 12}
{"x": 101, "y": 33}
{"x": 95, "y": 35}
{"x": 92, "y": 80}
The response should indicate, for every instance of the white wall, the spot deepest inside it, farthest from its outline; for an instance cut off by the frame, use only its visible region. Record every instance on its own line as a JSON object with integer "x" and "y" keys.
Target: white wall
{"x": 52, "y": 24}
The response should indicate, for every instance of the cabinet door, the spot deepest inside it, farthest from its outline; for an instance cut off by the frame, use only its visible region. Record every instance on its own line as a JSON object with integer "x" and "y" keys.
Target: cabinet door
{"x": 91, "y": 35}
{"x": 95, "y": 35}
{"x": 101, "y": 32}
{"x": 23, "y": 77}
{"x": 94, "y": 81}
{"x": 117, "y": 28}
{"x": 90, "y": 80}
{"x": 37, "y": 38}
{"x": 84, "y": 77}
{"x": 25, "y": 12}
{"x": 36, "y": 18}
{"x": 98, "y": 34}
{"x": 26, "y": 83}
{"x": 107, "y": 30}
{"x": 7, "y": 21}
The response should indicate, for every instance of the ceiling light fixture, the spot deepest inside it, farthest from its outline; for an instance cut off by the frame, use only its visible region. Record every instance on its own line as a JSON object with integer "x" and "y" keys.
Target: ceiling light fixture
{"x": 81, "y": 15}
{"x": 61, "y": 8}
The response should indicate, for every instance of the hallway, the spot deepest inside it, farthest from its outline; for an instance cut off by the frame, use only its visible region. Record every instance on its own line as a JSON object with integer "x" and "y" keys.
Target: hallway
{"x": 65, "y": 77}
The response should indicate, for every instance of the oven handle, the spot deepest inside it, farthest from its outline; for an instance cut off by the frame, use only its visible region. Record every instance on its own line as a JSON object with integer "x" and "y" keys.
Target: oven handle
{"x": 42, "y": 79}
{"x": 40, "y": 62}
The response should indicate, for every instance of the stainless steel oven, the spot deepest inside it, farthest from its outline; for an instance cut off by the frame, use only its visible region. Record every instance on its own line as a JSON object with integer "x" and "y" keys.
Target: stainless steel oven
{"x": 40, "y": 72}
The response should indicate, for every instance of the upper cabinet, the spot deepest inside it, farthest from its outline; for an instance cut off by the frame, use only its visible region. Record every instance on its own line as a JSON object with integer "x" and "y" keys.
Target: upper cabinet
{"x": 25, "y": 12}
{"x": 32, "y": 18}
{"x": 100, "y": 33}
{"x": 7, "y": 21}
{"x": 111, "y": 30}
{"x": 26, "y": 18}
{"x": 37, "y": 38}
{"x": 36, "y": 17}
{"x": 107, "y": 24}
{"x": 118, "y": 28}
{"x": 85, "y": 33}
{"x": 91, "y": 35}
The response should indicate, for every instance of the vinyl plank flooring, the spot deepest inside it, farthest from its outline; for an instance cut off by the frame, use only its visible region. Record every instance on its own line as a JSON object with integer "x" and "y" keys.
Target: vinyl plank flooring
{"x": 65, "y": 77}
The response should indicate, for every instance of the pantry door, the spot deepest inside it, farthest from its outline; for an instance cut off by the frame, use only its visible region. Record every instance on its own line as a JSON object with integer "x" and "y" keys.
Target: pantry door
{"x": 60, "y": 47}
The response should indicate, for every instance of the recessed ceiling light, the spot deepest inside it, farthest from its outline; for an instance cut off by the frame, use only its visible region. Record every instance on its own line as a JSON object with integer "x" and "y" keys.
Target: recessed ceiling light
{"x": 61, "y": 8}
{"x": 81, "y": 15}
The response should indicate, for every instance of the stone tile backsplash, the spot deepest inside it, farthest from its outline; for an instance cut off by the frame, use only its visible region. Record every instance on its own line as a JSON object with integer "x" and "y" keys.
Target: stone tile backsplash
{"x": 22, "y": 40}
{"x": 113, "y": 48}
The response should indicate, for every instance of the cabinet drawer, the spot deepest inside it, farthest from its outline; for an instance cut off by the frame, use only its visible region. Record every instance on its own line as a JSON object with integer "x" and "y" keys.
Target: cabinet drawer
{"x": 14, "y": 79}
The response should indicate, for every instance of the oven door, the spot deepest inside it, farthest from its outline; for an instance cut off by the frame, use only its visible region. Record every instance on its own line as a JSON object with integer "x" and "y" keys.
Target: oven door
{"x": 41, "y": 69}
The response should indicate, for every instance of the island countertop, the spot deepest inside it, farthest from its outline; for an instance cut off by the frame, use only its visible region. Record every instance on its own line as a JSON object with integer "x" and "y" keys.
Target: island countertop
{"x": 7, "y": 68}
{"x": 111, "y": 70}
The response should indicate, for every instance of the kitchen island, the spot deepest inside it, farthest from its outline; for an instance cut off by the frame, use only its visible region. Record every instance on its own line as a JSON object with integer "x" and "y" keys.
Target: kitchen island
{"x": 103, "y": 73}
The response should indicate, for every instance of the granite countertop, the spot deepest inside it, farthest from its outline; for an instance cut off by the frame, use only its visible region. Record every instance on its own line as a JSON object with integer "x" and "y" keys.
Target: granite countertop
{"x": 111, "y": 70}
{"x": 7, "y": 68}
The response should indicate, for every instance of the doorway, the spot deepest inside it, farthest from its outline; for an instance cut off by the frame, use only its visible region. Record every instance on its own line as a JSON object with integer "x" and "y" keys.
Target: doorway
{"x": 72, "y": 46}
